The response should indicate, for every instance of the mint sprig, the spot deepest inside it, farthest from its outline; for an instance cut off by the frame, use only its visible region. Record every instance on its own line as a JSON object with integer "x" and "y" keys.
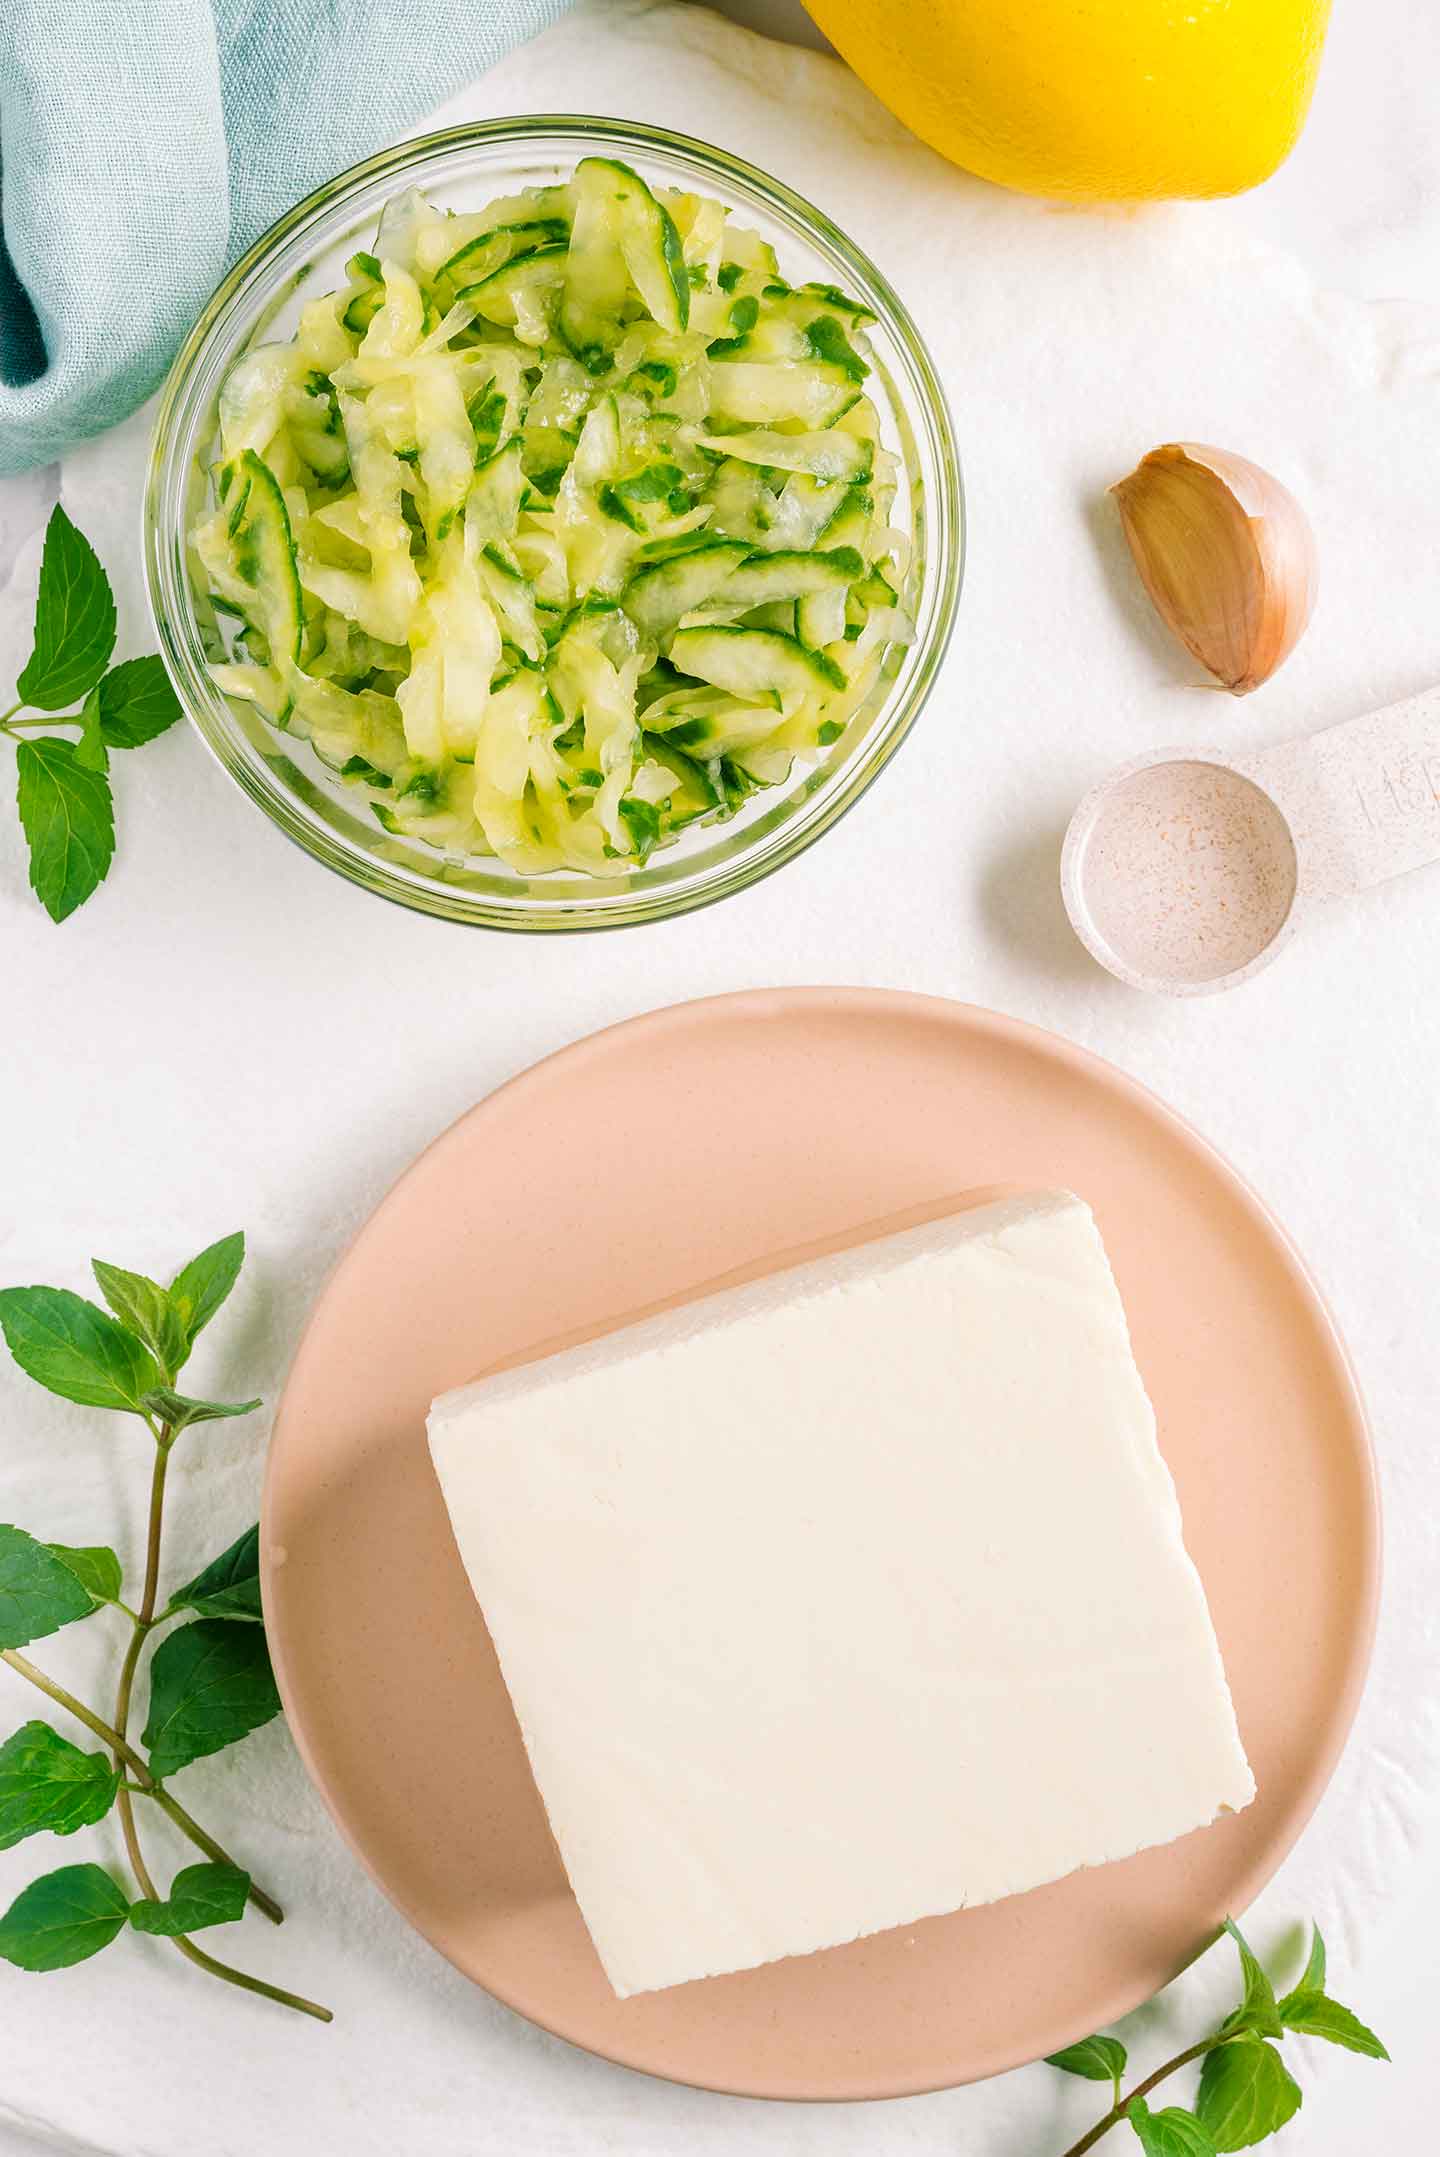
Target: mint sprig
{"x": 63, "y": 792}
{"x": 1246, "y": 2091}
{"x": 210, "y": 1678}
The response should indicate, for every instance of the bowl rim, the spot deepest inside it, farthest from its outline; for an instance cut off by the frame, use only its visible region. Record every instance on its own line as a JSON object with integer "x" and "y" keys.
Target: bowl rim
{"x": 918, "y": 395}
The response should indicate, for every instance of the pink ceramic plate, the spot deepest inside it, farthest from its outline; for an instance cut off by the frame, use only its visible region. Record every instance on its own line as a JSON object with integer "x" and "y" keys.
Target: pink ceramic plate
{"x": 627, "y": 1170}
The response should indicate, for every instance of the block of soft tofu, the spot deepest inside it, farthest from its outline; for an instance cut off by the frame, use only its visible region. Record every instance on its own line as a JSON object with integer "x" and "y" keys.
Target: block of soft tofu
{"x": 815, "y": 1596}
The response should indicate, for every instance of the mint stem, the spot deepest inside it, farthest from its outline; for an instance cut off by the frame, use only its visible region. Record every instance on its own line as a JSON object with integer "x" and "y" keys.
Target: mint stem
{"x": 1117, "y": 2111}
{"x": 243, "y": 1979}
{"x": 164, "y": 1437}
{"x": 139, "y": 1627}
{"x": 144, "y": 1782}
{"x": 142, "y": 1619}
{"x": 102, "y": 1730}
{"x": 14, "y": 727}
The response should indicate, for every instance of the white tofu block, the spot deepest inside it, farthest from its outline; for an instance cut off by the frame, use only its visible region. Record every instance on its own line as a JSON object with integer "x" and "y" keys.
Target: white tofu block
{"x": 816, "y": 1597}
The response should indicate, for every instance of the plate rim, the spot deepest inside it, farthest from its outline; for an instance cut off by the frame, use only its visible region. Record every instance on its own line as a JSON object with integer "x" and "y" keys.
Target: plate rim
{"x": 862, "y": 1002}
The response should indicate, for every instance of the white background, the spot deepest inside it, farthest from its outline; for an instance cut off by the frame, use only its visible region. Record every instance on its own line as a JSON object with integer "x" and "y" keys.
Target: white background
{"x": 298, "y": 1151}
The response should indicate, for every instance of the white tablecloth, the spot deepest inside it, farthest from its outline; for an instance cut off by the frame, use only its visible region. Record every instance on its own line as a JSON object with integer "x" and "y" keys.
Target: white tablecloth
{"x": 227, "y": 1036}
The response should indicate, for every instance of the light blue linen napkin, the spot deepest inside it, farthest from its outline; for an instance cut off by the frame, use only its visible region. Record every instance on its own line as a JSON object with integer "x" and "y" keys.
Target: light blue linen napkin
{"x": 145, "y": 143}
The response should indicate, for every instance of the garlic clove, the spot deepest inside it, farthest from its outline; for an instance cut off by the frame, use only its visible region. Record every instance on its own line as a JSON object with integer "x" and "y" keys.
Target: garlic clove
{"x": 1226, "y": 554}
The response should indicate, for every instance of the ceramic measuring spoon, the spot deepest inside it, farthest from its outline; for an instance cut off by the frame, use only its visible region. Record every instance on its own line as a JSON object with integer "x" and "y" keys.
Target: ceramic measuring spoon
{"x": 1187, "y": 870}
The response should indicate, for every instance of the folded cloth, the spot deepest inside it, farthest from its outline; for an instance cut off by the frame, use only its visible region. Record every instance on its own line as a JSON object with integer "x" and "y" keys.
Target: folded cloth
{"x": 145, "y": 143}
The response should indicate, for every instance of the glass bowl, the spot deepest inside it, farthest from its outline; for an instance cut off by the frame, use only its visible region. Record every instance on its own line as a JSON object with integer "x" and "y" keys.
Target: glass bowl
{"x": 304, "y": 254}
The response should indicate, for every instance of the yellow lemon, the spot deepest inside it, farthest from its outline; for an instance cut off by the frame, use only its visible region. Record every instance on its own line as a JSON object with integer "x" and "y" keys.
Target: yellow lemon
{"x": 1100, "y": 100}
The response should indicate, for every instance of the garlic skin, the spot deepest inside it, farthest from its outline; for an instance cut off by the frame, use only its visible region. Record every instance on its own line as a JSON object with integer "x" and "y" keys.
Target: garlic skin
{"x": 1226, "y": 554}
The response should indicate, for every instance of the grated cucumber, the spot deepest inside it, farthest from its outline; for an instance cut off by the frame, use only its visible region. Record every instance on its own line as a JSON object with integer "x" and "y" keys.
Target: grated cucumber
{"x": 561, "y": 526}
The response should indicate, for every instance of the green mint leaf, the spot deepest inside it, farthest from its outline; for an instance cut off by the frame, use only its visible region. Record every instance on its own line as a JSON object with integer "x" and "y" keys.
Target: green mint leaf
{"x": 146, "y": 1309}
{"x": 68, "y": 819}
{"x": 137, "y": 703}
{"x": 1245, "y": 2094}
{"x": 180, "y": 1411}
{"x": 95, "y": 1567}
{"x": 201, "y": 1895}
{"x": 74, "y": 621}
{"x": 1098, "y": 2059}
{"x": 1257, "y": 2011}
{"x": 75, "y": 1349}
{"x": 38, "y": 1591}
{"x": 1310, "y": 2014}
{"x": 1171, "y": 2133}
{"x": 229, "y": 1587}
{"x": 1312, "y": 1977}
{"x": 90, "y": 751}
{"x": 63, "y": 1918}
{"x": 210, "y": 1684}
{"x": 48, "y": 1784}
{"x": 199, "y": 1289}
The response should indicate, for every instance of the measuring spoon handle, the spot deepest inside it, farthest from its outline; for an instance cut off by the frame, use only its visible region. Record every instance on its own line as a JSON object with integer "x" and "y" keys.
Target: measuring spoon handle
{"x": 1362, "y": 799}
